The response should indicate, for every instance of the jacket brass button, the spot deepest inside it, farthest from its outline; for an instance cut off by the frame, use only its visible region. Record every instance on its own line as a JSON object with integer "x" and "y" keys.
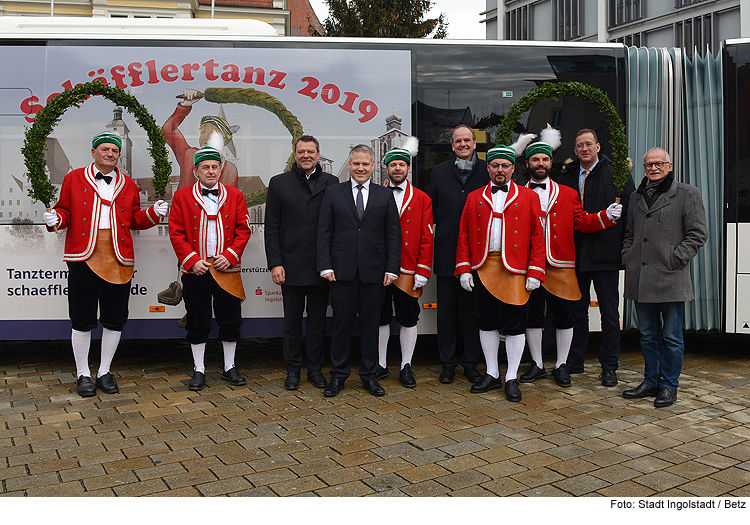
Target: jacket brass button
{"x": 515, "y": 246}
{"x": 84, "y": 219}
{"x": 406, "y": 244}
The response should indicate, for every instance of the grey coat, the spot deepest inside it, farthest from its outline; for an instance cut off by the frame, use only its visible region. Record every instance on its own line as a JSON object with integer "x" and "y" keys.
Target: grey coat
{"x": 660, "y": 242}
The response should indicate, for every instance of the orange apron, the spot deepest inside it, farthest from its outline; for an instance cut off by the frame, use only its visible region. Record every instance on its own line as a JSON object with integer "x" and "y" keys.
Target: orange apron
{"x": 561, "y": 282}
{"x": 230, "y": 282}
{"x": 405, "y": 283}
{"x": 104, "y": 263}
{"x": 506, "y": 286}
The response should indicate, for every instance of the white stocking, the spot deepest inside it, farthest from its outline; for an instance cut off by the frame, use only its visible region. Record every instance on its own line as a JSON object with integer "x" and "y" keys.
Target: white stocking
{"x": 229, "y": 349}
{"x": 564, "y": 338}
{"x": 199, "y": 352}
{"x": 384, "y": 333}
{"x": 534, "y": 338}
{"x": 110, "y": 340}
{"x": 514, "y": 345}
{"x": 81, "y": 341}
{"x": 408, "y": 339}
{"x": 490, "y": 340}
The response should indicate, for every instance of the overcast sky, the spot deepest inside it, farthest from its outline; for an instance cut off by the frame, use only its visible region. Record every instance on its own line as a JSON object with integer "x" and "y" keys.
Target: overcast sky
{"x": 463, "y": 16}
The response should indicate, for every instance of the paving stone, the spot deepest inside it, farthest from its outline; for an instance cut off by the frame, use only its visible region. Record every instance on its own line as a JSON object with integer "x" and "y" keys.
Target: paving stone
{"x": 426, "y": 488}
{"x": 706, "y": 487}
{"x": 660, "y": 481}
{"x": 462, "y": 479}
{"x": 580, "y": 485}
{"x": 297, "y": 486}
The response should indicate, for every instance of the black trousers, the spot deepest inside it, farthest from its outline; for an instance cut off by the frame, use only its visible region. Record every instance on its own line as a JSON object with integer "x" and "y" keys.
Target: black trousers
{"x": 198, "y": 292}
{"x": 294, "y": 308}
{"x": 87, "y": 292}
{"x": 493, "y": 314}
{"x": 457, "y": 326}
{"x": 561, "y": 309}
{"x": 406, "y": 306}
{"x": 349, "y": 298}
{"x": 606, "y": 285}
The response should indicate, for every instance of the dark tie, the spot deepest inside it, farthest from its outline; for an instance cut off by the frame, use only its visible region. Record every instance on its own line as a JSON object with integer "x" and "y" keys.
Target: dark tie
{"x": 397, "y": 188}
{"x": 206, "y": 192}
{"x": 542, "y": 185}
{"x": 504, "y": 188}
{"x": 106, "y": 178}
{"x": 360, "y": 202}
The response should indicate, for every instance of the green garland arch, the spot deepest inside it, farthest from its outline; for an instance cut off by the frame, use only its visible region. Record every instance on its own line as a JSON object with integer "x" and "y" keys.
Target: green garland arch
{"x": 36, "y": 136}
{"x": 253, "y": 97}
{"x": 549, "y": 90}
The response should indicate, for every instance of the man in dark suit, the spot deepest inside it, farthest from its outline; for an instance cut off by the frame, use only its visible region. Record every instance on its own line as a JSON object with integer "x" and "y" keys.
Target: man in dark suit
{"x": 451, "y": 183}
{"x": 291, "y": 230}
{"x": 359, "y": 237}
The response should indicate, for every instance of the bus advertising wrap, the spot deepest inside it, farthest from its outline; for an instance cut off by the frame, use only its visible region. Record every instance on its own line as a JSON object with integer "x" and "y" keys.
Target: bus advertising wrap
{"x": 259, "y": 99}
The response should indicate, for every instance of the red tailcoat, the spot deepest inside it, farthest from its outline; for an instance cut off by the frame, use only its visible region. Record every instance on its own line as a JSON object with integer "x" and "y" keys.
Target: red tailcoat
{"x": 79, "y": 208}
{"x": 189, "y": 223}
{"x": 521, "y": 239}
{"x": 417, "y": 237}
{"x": 565, "y": 214}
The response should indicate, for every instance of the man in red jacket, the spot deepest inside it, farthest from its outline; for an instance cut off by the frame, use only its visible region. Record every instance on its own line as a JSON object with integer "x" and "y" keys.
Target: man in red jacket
{"x": 562, "y": 213}
{"x": 99, "y": 206}
{"x": 209, "y": 228}
{"x": 500, "y": 259}
{"x": 415, "y": 211}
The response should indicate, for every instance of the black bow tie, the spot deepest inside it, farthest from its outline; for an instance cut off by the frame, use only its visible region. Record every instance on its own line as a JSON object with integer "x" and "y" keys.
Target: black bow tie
{"x": 205, "y": 192}
{"x": 542, "y": 185}
{"x": 504, "y": 188}
{"x": 106, "y": 178}
{"x": 397, "y": 188}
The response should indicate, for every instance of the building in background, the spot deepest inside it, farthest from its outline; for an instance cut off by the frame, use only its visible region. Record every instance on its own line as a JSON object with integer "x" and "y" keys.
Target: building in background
{"x": 288, "y": 17}
{"x": 690, "y": 24}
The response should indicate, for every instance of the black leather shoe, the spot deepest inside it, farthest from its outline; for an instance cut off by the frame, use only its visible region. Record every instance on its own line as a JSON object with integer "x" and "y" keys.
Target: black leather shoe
{"x": 486, "y": 384}
{"x": 382, "y": 373}
{"x": 86, "y": 387}
{"x": 533, "y": 373}
{"x": 107, "y": 384}
{"x": 334, "y": 387}
{"x": 447, "y": 375}
{"x": 641, "y": 391}
{"x": 374, "y": 387}
{"x": 197, "y": 382}
{"x": 665, "y": 398}
{"x": 235, "y": 379}
{"x": 292, "y": 381}
{"x": 407, "y": 377}
{"x": 562, "y": 376}
{"x": 512, "y": 391}
{"x": 316, "y": 379}
{"x": 576, "y": 368}
{"x": 472, "y": 374}
{"x": 609, "y": 378}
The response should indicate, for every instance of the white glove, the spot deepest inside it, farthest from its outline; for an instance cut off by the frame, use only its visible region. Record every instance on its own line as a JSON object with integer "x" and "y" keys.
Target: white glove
{"x": 614, "y": 211}
{"x": 191, "y": 97}
{"x": 161, "y": 208}
{"x": 419, "y": 281}
{"x": 50, "y": 218}
{"x": 467, "y": 281}
{"x": 532, "y": 283}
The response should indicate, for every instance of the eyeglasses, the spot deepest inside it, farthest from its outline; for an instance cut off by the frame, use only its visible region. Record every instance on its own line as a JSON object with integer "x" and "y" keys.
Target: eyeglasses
{"x": 582, "y": 145}
{"x": 496, "y": 166}
{"x": 658, "y": 165}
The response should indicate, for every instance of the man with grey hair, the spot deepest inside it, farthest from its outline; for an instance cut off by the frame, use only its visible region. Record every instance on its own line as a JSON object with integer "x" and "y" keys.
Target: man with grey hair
{"x": 359, "y": 237}
{"x": 665, "y": 228}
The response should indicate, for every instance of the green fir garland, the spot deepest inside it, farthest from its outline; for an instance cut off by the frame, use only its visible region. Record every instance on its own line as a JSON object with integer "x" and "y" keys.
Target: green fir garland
{"x": 547, "y": 91}
{"x": 35, "y": 141}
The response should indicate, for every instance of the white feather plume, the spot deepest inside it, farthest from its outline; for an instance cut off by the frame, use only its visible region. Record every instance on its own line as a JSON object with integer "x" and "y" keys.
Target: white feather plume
{"x": 412, "y": 145}
{"x": 523, "y": 140}
{"x": 216, "y": 141}
{"x": 551, "y": 136}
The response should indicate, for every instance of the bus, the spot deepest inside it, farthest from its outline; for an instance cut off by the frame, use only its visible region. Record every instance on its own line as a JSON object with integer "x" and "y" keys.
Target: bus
{"x": 265, "y": 88}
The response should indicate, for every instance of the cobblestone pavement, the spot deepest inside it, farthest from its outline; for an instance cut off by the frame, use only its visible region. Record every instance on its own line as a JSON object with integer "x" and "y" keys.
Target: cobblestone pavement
{"x": 157, "y": 438}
